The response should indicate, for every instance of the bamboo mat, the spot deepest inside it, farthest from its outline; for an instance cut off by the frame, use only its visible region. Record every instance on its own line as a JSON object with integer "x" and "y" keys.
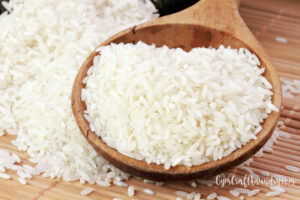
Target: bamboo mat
{"x": 267, "y": 19}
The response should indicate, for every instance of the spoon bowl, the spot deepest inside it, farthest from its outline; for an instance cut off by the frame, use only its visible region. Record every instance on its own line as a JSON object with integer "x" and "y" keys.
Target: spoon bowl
{"x": 207, "y": 23}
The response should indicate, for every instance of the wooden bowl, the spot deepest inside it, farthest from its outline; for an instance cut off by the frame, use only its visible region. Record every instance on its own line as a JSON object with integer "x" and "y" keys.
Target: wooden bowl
{"x": 207, "y": 23}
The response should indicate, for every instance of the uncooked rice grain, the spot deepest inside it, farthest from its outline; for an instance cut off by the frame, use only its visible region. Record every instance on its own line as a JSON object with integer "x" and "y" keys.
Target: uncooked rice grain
{"x": 181, "y": 193}
{"x": 148, "y": 191}
{"x": 234, "y": 193}
{"x": 131, "y": 191}
{"x": 22, "y": 181}
{"x": 4, "y": 176}
{"x": 272, "y": 193}
{"x": 212, "y": 196}
{"x": 277, "y": 188}
{"x": 265, "y": 173}
{"x": 292, "y": 168}
{"x": 223, "y": 198}
{"x": 197, "y": 196}
{"x": 281, "y": 39}
{"x": 253, "y": 192}
{"x": 87, "y": 191}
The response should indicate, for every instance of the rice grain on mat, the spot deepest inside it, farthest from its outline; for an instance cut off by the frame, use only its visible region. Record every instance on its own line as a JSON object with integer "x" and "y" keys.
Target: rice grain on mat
{"x": 212, "y": 196}
{"x": 4, "y": 176}
{"x": 223, "y": 198}
{"x": 131, "y": 191}
{"x": 87, "y": 191}
{"x": 265, "y": 173}
{"x": 234, "y": 193}
{"x": 141, "y": 99}
{"x": 148, "y": 191}
{"x": 272, "y": 193}
{"x": 253, "y": 192}
{"x": 292, "y": 168}
{"x": 181, "y": 193}
{"x": 277, "y": 188}
{"x": 281, "y": 39}
{"x": 22, "y": 181}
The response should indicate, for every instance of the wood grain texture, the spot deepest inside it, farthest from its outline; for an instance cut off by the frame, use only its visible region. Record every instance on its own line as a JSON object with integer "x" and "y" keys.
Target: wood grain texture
{"x": 266, "y": 19}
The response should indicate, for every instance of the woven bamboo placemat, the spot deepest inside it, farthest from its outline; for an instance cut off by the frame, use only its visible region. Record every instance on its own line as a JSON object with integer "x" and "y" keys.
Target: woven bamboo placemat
{"x": 267, "y": 19}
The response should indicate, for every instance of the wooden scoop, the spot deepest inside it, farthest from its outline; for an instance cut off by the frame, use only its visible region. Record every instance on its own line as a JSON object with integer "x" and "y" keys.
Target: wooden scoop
{"x": 207, "y": 23}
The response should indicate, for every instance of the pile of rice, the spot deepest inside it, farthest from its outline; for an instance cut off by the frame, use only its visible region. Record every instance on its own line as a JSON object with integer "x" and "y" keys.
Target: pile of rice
{"x": 42, "y": 45}
{"x": 171, "y": 107}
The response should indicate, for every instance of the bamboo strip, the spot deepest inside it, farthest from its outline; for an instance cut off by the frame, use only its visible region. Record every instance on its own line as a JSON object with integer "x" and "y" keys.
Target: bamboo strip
{"x": 285, "y": 150}
{"x": 288, "y": 141}
{"x": 290, "y": 130}
{"x": 291, "y": 105}
{"x": 283, "y": 160}
{"x": 281, "y": 154}
{"x": 290, "y": 122}
{"x": 288, "y": 146}
{"x": 290, "y": 114}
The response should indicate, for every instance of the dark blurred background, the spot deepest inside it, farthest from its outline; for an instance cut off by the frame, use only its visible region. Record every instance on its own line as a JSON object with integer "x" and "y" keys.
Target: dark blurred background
{"x": 164, "y": 7}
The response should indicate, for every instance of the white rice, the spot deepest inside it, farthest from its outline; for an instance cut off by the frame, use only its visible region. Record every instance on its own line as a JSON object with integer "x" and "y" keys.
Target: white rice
{"x": 234, "y": 193}
{"x": 43, "y": 44}
{"x": 16, "y": 157}
{"x": 2, "y": 169}
{"x": 223, "y": 198}
{"x": 290, "y": 88}
{"x": 103, "y": 183}
{"x": 171, "y": 107}
{"x": 131, "y": 191}
{"x": 148, "y": 191}
{"x": 197, "y": 196}
{"x": 292, "y": 168}
{"x": 4, "y": 176}
{"x": 277, "y": 188}
{"x": 212, "y": 196}
{"x": 272, "y": 193}
{"x": 193, "y": 184}
{"x": 181, "y": 193}
{"x": 179, "y": 198}
{"x": 120, "y": 183}
{"x": 242, "y": 190}
{"x": 253, "y": 192}
{"x": 22, "y": 181}
{"x": 281, "y": 39}
{"x": 191, "y": 195}
{"x": 87, "y": 191}
{"x": 265, "y": 173}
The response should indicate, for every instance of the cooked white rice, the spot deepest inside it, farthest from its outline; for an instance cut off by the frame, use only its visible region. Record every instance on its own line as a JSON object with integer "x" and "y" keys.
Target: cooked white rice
{"x": 43, "y": 44}
{"x": 168, "y": 106}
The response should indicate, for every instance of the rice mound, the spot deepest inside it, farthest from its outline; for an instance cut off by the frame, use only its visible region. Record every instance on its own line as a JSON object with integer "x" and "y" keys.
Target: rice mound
{"x": 171, "y": 107}
{"x": 42, "y": 46}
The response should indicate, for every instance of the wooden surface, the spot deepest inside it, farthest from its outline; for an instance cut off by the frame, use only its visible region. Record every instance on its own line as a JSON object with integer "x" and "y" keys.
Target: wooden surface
{"x": 267, "y": 19}
{"x": 196, "y": 26}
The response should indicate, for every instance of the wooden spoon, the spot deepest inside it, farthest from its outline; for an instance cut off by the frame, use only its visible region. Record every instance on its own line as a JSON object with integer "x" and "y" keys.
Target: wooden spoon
{"x": 207, "y": 23}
